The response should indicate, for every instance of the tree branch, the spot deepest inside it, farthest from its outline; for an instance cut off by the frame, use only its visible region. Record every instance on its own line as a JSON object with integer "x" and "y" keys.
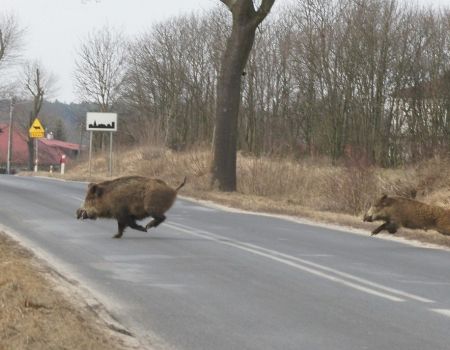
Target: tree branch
{"x": 263, "y": 11}
{"x": 230, "y": 3}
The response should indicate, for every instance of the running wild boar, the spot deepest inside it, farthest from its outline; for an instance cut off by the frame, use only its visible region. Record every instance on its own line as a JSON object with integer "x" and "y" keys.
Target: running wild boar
{"x": 128, "y": 199}
{"x": 398, "y": 211}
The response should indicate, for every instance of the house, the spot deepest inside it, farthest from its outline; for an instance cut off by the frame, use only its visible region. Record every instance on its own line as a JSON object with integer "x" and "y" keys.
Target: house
{"x": 49, "y": 150}
{"x": 71, "y": 150}
{"x": 430, "y": 99}
{"x": 420, "y": 119}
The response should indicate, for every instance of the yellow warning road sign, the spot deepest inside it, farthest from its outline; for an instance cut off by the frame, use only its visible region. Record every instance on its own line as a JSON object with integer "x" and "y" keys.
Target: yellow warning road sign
{"x": 36, "y": 130}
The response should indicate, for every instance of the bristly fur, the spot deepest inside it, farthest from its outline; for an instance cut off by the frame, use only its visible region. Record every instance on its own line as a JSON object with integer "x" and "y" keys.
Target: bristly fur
{"x": 404, "y": 212}
{"x": 128, "y": 199}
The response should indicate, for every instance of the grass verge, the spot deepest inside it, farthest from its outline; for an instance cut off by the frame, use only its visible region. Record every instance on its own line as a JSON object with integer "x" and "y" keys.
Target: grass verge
{"x": 35, "y": 313}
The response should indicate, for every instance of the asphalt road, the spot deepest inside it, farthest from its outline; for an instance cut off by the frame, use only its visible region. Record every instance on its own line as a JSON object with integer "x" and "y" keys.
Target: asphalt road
{"x": 213, "y": 279}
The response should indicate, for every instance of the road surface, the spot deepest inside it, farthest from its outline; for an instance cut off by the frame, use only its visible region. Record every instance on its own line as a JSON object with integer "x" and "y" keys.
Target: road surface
{"x": 212, "y": 279}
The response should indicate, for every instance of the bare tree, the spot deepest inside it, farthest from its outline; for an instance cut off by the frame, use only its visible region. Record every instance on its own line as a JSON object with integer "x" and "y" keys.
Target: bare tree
{"x": 10, "y": 38}
{"x": 245, "y": 21}
{"x": 362, "y": 80}
{"x": 100, "y": 67}
{"x": 10, "y": 43}
{"x": 171, "y": 80}
{"x": 100, "y": 70}
{"x": 38, "y": 83}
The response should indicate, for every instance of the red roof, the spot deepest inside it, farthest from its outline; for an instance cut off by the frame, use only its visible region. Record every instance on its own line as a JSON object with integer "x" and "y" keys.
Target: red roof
{"x": 61, "y": 144}
{"x": 50, "y": 151}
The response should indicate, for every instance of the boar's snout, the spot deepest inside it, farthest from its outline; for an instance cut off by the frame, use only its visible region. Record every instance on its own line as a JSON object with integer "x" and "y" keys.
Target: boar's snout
{"x": 81, "y": 214}
{"x": 368, "y": 218}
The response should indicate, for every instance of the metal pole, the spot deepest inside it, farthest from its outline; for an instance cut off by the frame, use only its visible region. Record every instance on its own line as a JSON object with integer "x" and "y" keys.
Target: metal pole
{"x": 90, "y": 152}
{"x": 10, "y": 132}
{"x": 110, "y": 153}
{"x": 81, "y": 140}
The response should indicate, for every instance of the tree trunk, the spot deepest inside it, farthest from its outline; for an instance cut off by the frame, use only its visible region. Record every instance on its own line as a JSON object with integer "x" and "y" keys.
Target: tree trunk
{"x": 30, "y": 144}
{"x": 228, "y": 100}
{"x": 239, "y": 45}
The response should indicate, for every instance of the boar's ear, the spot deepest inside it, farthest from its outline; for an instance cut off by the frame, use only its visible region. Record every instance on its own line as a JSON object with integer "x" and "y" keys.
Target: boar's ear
{"x": 381, "y": 200}
{"x": 98, "y": 190}
{"x": 386, "y": 201}
{"x": 95, "y": 189}
{"x": 91, "y": 187}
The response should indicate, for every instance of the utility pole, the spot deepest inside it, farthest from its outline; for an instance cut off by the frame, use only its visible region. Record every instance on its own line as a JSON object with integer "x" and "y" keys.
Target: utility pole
{"x": 10, "y": 133}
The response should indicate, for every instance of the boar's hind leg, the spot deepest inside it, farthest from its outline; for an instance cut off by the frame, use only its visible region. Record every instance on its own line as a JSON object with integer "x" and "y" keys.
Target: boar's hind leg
{"x": 157, "y": 219}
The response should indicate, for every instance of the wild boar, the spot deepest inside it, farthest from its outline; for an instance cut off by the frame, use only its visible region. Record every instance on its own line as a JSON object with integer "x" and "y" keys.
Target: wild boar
{"x": 128, "y": 199}
{"x": 398, "y": 211}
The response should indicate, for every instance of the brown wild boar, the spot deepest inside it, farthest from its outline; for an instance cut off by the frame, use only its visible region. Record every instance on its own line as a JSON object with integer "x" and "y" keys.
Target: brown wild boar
{"x": 128, "y": 199}
{"x": 398, "y": 211}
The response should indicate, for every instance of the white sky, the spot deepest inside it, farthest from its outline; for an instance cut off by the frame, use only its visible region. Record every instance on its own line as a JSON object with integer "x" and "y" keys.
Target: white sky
{"x": 54, "y": 28}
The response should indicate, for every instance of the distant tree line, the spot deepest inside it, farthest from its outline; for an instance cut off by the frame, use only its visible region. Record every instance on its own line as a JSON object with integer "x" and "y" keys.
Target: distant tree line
{"x": 366, "y": 79}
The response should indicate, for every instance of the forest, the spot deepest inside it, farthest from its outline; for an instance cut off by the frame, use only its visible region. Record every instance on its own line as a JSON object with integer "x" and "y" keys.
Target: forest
{"x": 367, "y": 80}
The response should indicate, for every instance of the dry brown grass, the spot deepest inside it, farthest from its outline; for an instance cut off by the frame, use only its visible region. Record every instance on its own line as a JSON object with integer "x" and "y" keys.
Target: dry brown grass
{"x": 34, "y": 315}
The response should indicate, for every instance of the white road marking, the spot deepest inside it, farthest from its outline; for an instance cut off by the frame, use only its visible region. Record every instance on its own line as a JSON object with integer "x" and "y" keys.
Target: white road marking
{"x": 445, "y": 312}
{"x": 351, "y": 277}
{"x": 311, "y": 267}
{"x": 311, "y": 222}
{"x": 74, "y": 197}
{"x": 427, "y": 283}
{"x": 317, "y": 255}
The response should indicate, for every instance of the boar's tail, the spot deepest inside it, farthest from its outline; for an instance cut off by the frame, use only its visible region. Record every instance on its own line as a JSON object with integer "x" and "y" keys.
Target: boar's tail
{"x": 181, "y": 185}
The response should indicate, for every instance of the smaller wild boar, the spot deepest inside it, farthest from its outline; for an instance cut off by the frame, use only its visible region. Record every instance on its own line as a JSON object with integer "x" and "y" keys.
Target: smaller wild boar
{"x": 128, "y": 199}
{"x": 398, "y": 211}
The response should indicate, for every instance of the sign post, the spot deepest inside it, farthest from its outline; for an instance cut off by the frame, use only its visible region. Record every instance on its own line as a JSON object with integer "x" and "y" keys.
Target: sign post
{"x": 36, "y": 132}
{"x": 90, "y": 151}
{"x": 101, "y": 122}
{"x": 10, "y": 135}
{"x": 36, "y": 155}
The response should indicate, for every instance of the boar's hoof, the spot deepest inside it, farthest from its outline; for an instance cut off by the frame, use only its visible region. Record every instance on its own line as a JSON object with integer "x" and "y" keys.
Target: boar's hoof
{"x": 118, "y": 235}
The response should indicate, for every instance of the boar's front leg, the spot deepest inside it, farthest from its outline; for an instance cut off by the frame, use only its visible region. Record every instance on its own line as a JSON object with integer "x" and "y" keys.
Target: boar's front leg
{"x": 379, "y": 229}
{"x": 132, "y": 223}
{"x": 157, "y": 219}
{"x": 391, "y": 227}
{"x": 124, "y": 222}
{"x": 121, "y": 227}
